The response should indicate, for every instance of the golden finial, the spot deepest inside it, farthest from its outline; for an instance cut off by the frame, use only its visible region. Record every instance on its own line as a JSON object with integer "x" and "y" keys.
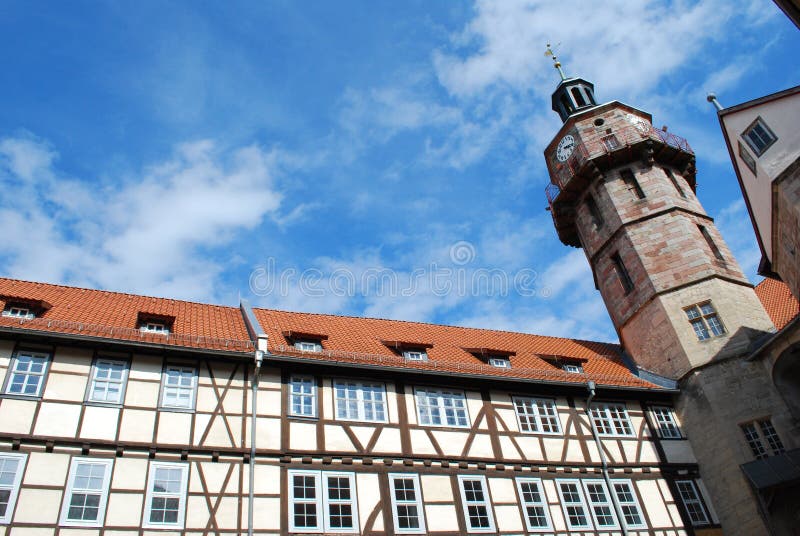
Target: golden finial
{"x": 556, "y": 63}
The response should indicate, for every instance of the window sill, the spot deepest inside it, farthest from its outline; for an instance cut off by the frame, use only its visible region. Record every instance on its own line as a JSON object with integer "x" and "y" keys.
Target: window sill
{"x": 15, "y": 396}
{"x": 445, "y": 427}
{"x": 546, "y": 434}
{"x": 95, "y": 403}
{"x": 342, "y": 419}
{"x": 303, "y": 418}
{"x": 176, "y": 410}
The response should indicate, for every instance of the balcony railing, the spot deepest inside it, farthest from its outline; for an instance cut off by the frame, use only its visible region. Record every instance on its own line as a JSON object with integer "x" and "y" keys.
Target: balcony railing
{"x": 562, "y": 172}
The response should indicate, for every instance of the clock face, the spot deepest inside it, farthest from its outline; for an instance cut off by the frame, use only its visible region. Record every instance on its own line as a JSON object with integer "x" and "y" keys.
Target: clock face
{"x": 565, "y": 147}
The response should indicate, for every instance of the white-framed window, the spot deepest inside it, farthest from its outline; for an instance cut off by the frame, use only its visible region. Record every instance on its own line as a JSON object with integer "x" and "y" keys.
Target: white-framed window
{"x": 534, "y": 504}
{"x": 762, "y": 438}
{"x": 178, "y": 387}
{"x": 407, "y": 511}
{"x": 165, "y": 503}
{"x": 666, "y": 424}
{"x": 629, "y": 504}
{"x": 415, "y": 355}
{"x": 611, "y": 419}
{"x": 500, "y": 362}
{"x": 705, "y": 321}
{"x": 600, "y": 504}
{"x": 573, "y": 504}
{"x": 572, "y": 368}
{"x": 303, "y": 396}
{"x": 15, "y": 311}
{"x": 27, "y": 373}
{"x": 537, "y": 415}
{"x": 477, "y": 507}
{"x": 154, "y": 327}
{"x": 759, "y": 136}
{"x": 12, "y": 465}
{"x": 308, "y": 346}
{"x": 359, "y": 401}
{"x": 440, "y": 407}
{"x": 107, "y": 384}
{"x": 690, "y": 497}
{"x": 85, "y": 498}
{"x": 322, "y": 501}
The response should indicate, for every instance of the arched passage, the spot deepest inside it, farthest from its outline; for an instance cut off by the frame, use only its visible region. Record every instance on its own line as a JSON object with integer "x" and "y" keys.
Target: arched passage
{"x": 786, "y": 376}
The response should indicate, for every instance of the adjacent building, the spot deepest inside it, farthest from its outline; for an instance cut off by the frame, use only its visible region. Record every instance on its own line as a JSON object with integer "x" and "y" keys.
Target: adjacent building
{"x": 764, "y": 144}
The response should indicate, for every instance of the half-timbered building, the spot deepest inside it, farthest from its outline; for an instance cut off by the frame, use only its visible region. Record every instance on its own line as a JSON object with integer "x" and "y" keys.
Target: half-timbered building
{"x": 123, "y": 415}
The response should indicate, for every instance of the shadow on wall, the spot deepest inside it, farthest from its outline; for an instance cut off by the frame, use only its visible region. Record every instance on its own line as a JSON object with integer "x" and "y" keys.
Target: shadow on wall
{"x": 786, "y": 376}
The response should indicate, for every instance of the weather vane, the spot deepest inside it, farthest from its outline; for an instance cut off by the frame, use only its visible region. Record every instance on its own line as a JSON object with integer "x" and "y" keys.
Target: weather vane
{"x": 556, "y": 63}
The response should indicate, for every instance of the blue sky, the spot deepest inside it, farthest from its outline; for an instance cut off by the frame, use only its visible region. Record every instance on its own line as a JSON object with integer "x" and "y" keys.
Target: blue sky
{"x": 366, "y": 158}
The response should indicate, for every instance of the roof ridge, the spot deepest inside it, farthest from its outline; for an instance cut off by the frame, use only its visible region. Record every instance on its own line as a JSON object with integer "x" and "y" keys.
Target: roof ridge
{"x": 115, "y": 292}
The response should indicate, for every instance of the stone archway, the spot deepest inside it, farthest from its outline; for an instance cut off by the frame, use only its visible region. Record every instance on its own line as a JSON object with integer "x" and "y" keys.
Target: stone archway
{"x": 786, "y": 376}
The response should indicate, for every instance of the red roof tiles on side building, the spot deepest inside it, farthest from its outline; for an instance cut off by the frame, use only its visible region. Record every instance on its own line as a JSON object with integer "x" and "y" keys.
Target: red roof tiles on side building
{"x": 778, "y": 301}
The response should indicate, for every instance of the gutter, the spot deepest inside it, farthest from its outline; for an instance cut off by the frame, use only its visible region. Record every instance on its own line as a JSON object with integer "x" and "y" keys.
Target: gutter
{"x": 259, "y": 337}
{"x": 514, "y": 379}
{"x": 603, "y": 463}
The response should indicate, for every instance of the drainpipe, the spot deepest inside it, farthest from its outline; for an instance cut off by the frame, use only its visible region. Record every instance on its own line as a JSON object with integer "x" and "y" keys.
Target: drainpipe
{"x": 261, "y": 350}
{"x": 617, "y": 508}
{"x": 259, "y": 337}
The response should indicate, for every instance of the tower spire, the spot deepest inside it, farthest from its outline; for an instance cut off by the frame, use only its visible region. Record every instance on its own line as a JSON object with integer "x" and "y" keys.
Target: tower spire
{"x": 556, "y": 63}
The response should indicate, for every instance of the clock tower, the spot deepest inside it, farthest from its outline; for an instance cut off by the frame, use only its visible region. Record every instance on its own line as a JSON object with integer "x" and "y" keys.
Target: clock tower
{"x": 624, "y": 191}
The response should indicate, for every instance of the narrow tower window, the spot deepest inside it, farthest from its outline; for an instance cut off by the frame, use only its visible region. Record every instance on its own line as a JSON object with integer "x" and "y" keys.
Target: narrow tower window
{"x": 714, "y": 249}
{"x": 622, "y": 273}
{"x": 675, "y": 182}
{"x": 579, "y": 100}
{"x": 632, "y": 184}
{"x": 594, "y": 211}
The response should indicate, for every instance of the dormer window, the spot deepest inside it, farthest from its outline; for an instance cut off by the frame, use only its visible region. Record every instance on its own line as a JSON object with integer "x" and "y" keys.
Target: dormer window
{"x": 500, "y": 362}
{"x": 308, "y": 346}
{"x": 154, "y": 327}
{"x": 304, "y": 341}
{"x": 415, "y": 355}
{"x": 572, "y": 368}
{"x": 409, "y": 350}
{"x": 494, "y": 357}
{"x": 14, "y": 311}
{"x": 155, "y": 323}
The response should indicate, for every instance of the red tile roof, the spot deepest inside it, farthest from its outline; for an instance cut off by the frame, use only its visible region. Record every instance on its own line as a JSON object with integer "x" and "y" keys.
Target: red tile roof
{"x": 114, "y": 315}
{"x": 779, "y": 302}
{"x": 449, "y": 348}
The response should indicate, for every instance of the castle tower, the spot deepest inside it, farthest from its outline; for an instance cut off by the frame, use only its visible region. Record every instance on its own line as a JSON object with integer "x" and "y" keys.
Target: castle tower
{"x": 625, "y": 192}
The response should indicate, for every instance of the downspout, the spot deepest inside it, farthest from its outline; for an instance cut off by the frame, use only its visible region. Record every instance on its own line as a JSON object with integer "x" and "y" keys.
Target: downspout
{"x": 604, "y": 464}
{"x": 261, "y": 349}
{"x": 259, "y": 337}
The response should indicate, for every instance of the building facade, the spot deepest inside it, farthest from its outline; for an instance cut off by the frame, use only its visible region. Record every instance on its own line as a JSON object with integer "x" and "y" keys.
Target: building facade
{"x": 625, "y": 192}
{"x": 764, "y": 144}
{"x": 129, "y": 415}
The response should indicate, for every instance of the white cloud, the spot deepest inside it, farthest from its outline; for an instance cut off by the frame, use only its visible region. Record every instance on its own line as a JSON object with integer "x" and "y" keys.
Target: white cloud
{"x": 614, "y": 43}
{"x": 154, "y": 233}
{"x": 26, "y": 157}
